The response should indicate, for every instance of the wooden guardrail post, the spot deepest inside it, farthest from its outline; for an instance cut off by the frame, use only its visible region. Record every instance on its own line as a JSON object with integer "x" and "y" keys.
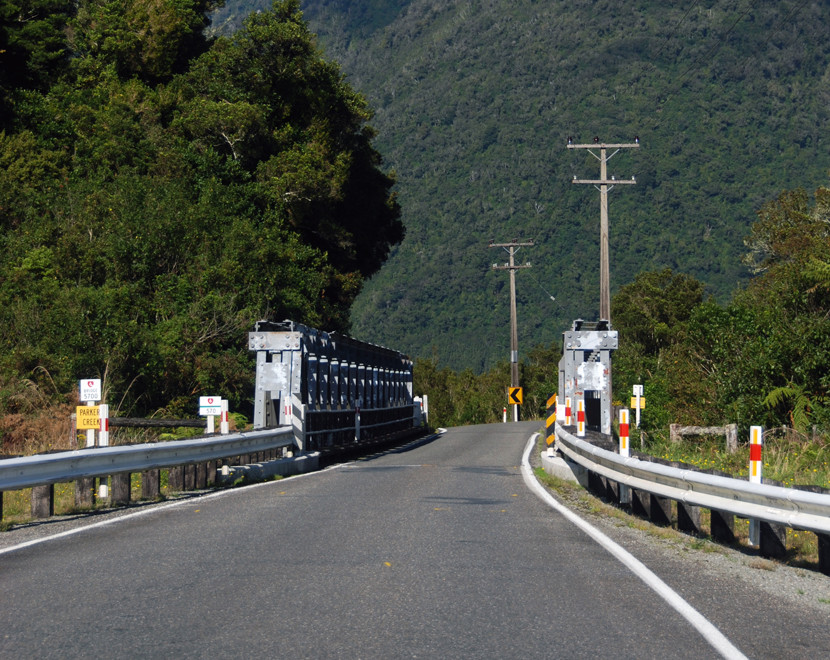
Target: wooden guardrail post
{"x": 175, "y": 478}
{"x": 596, "y": 484}
{"x": 773, "y": 541}
{"x": 189, "y": 477}
{"x": 824, "y": 553}
{"x": 688, "y": 515}
{"x": 201, "y": 476}
{"x": 722, "y": 526}
{"x": 688, "y": 518}
{"x": 640, "y": 503}
{"x": 773, "y": 538}
{"x": 43, "y": 501}
{"x": 660, "y": 510}
{"x": 823, "y": 539}
{"x": 84, "y": 498}
{"x": 211, "y": 467}
{"x": 120, "y": 484}
{"x": 612, "y": 490}
{"x": 150, "y": 484}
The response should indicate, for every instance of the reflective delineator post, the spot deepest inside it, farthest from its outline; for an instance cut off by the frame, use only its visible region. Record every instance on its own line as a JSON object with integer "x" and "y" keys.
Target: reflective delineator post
{"x": 104, "y": 429}
{"x": 580, "y": 418}
{"x": 224, "y": 424}
{"x": 568, "y": 412}
{"x": 756, "y": 443}
{"x": 625, "y": 447}
{"x": 504, "y": 415}
{"x": 625, "y": 451}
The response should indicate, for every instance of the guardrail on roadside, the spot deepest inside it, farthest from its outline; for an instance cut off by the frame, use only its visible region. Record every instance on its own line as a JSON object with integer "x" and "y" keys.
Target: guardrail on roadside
{"x": 772, "y": 505}
{"x": 44, "y": 469}
{"x": 191, "y": 464}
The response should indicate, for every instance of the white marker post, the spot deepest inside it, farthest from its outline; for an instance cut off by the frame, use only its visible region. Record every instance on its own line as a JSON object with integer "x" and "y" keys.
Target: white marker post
{"x": 756, "y": 468}
{"x": 568, "y": 411}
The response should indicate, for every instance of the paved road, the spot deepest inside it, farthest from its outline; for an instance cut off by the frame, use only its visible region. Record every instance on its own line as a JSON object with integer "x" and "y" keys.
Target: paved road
{"x": 437, "y": 551}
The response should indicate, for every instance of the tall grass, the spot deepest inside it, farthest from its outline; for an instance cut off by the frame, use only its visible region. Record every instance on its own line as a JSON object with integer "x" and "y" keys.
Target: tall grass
{"x": 788, "y": 456}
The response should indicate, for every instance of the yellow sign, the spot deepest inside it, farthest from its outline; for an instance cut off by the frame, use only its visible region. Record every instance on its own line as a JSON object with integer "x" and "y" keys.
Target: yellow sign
{"x": 88, "y": 417}
{"x": 642, "y": 402}
{"x": 514, "y": 395}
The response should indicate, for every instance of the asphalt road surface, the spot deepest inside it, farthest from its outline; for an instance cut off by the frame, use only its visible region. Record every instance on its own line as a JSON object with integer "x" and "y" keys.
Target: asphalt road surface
{"x": 439, "y": 550}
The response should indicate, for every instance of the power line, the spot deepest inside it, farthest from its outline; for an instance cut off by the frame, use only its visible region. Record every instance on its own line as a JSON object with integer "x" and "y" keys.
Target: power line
{"x": 717, "y": 45}
{"x": 674, "y": 30}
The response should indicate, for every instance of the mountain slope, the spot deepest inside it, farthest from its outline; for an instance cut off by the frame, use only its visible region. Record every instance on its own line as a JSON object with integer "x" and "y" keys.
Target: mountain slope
{"x": 475, "y": 100}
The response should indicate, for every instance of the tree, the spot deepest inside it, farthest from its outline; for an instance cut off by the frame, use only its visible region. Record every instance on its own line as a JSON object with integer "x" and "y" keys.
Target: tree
{"x": 147, "y": 201}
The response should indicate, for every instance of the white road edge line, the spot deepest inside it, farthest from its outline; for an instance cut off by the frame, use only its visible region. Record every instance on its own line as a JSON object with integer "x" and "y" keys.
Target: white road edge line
{"x": 709, "y": 632}
{"x": 159, "y": 507}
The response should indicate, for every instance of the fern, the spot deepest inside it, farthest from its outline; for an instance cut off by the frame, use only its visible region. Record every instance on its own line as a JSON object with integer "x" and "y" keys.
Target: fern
{"x": 799, "y": 401}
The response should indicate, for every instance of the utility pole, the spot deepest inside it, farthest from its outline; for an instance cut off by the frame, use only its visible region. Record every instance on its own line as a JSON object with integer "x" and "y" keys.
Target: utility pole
{"x": 514, "y": 332}
{"x": 602, "y": 184}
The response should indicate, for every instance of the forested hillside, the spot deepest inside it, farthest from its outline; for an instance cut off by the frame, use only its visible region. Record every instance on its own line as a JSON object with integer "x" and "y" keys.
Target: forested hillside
{"x": 475, "y": 100}
{"x": 160, "y": 191}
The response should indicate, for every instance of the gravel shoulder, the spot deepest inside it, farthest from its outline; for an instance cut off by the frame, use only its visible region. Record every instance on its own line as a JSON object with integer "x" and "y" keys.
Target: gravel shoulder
{"x": 800, "y": 587}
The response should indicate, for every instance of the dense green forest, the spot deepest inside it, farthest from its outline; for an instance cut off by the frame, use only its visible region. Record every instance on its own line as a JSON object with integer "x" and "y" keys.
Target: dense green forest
{"x": 763, "y": 358}
{"x": 161, "y": 190}
{"x": 475, "y": 100}
{"x": 164, "y": 183}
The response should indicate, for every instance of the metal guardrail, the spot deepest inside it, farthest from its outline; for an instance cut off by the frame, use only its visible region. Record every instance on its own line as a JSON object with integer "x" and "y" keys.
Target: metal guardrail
{"x": 785, "y": 506}
{"x": 44, "y": 469}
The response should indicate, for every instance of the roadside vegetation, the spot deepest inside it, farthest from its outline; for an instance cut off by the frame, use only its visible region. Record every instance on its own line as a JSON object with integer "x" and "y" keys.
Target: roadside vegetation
{"x": 160, "y": 191}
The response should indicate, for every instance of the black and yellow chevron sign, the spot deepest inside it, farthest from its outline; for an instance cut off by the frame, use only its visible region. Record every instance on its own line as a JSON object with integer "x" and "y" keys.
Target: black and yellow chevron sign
{"x": 514, "y": 395}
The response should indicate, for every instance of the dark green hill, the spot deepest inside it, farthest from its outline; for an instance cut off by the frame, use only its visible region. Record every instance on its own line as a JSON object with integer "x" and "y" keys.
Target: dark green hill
{"x": 474, "y": 102}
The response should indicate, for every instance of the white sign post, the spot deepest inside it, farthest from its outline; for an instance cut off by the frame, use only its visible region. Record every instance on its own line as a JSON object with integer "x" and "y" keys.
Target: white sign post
{"x": 638, "y": 392}
{"x": 90, "y": 393}
{"x": 210, "y": 407}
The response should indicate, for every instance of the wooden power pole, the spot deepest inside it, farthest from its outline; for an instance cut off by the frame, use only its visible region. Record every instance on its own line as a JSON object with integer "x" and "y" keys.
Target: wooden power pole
{"x": 602, "y": 184}
{"x": 514, "y": 332}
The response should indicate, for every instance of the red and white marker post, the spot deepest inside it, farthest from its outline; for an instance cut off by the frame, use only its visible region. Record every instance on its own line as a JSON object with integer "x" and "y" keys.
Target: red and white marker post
{"x": 103, "y": 441}
{"x": 568, "y": 411}
{"x": 756, "y": 469}
{"x": 580, "y": 418}
{"x": 224, "y": 424}
{"x": 104, "y": 431}
{"x": 625, "y": 447}
{"x": 625, "y": 451}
